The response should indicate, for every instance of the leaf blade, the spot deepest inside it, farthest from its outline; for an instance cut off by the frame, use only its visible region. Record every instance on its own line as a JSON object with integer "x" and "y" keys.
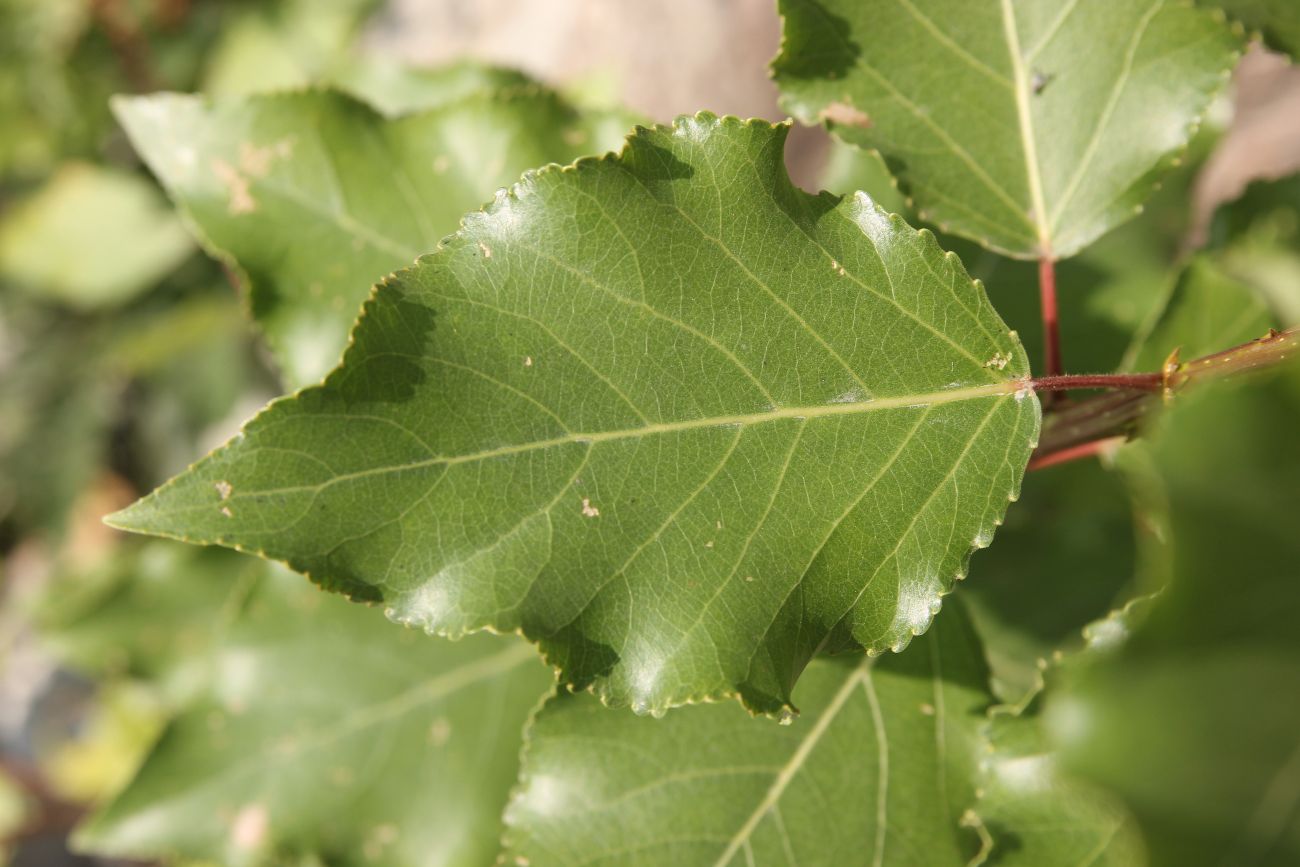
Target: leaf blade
{"x": 547, "y": 474}
{"x": 1025, "y": 127}
{"x": 311, "y": 194}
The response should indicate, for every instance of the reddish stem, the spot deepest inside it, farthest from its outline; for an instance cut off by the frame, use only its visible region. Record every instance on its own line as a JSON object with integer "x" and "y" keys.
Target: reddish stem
{"x": 1074, "y": 453}
{"x": 1129, "y": 381}
{"x": 1051, "y": 330}
{"x": 1071, "y": 430}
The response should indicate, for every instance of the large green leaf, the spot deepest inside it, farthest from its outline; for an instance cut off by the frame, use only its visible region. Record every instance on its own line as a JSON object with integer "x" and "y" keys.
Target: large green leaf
{"x": 1195, "y": 719}
{"x": 314, "y": 195}
{"x": 323, "y": 732}
{"x": 678, "y": 421}
{"x": 879, "y": 771}
{"x": 1031, "y": 126}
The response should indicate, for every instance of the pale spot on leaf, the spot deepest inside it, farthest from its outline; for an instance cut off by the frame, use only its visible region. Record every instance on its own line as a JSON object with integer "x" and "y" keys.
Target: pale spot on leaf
{"x": 248, "y": 831}
{"x": 588, "y": 509}
{"x": 845, "y": 115}
{"x": 239, "y": 197}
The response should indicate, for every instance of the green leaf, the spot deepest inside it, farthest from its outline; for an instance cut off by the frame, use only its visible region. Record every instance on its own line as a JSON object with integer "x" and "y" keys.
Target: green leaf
{"x": 1256, "y": 239}
{"x": 679, "y": 422}
{"x": 314, "y": 195}
{"x": 1277, "y": 20}
{"x": 878, "y": 771}
{"x": 1194, "y": 719}
{"x": 1064, "y": 558}
{"x": 1039, "y": 815}
{"x": 322, "y": 731}
{"x": 1032, "y": 126}
{"x": 148, "y": 612}
{"x": 91, "y": 237}
{"x": 1207, "y": 312}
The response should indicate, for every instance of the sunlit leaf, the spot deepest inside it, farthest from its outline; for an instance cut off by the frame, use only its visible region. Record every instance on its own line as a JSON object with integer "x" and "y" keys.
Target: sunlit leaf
{"x": 679, "y": 422}
{"x": 314, "y": 195}
{"x": 1032, "y": 126}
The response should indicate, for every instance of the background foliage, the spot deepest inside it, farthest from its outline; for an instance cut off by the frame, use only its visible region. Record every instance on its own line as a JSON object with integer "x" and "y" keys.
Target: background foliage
{"x": 1113, "y": 683}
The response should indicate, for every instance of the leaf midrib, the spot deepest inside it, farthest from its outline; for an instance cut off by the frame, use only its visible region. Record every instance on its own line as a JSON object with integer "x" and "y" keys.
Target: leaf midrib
{"x": 928, "y": 399}
{"x": 1039, "y": 217}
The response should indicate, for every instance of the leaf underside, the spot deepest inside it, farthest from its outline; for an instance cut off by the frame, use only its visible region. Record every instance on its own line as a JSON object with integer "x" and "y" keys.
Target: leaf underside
{"x": 314, "y": 194}
{"x": 675, "y": 420}
{"x": 1031, "y": 126}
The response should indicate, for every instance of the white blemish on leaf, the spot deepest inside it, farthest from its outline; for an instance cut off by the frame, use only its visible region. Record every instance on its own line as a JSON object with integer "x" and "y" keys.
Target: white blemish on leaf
{"x": 853, "y": 396}
{"x": 999, "y": 361}
{"x": 225, "y": 510}
{"x": 588, "y": 509}
{"x": 224, "y": 488}
{"x": 238, "y": 195}
{"x": 845, "y": 115}
{"x": 708, "y": 544}
{"x": 248, "y": 831}
{"x": 749, "y": 578}
{"x": 528, "y": 361}
{"x": 838, "y": 268}
{"x": 927, "y": 709}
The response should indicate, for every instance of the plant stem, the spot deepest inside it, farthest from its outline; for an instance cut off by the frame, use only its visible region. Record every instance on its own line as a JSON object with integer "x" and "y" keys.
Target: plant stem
{"x": 1051, "y": 329}
{"x": 1073, "y": 453}
{"x": 1069, "y": 431}
{"x": 1073, "y": 382}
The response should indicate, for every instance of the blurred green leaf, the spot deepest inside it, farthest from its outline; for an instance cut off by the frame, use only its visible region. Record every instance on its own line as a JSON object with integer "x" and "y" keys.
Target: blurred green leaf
{"x": 1194, "y": 719}
{"x": 1256, "y": 239}
{"x": 1028, "y": 125}
{"x": 603, "y": 385}
{"x": 1277, "y": 20}
{"x": 149, "y": 612}
{"x": 323, "y": 732}
{"x": 1037, "y": 813}
{"x": 1208, "y": 311}
{"x": 92, "y": 237}
{"x": 1064, "y": 558}
{"x": 314, "y": 195}
{"x": 287, "y": 44}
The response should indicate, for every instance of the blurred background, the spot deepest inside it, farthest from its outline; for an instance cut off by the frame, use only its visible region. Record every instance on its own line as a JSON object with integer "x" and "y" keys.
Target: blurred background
{"x": 124, "y": 351}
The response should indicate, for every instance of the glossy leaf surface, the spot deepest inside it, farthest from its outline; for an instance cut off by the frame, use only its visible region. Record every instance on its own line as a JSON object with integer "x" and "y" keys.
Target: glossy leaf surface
{"x": 323, "y": 732}
{"x": 1032, "y": 127}
{"x": 315, "y": 195}
{"x": 679, "y": 422}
